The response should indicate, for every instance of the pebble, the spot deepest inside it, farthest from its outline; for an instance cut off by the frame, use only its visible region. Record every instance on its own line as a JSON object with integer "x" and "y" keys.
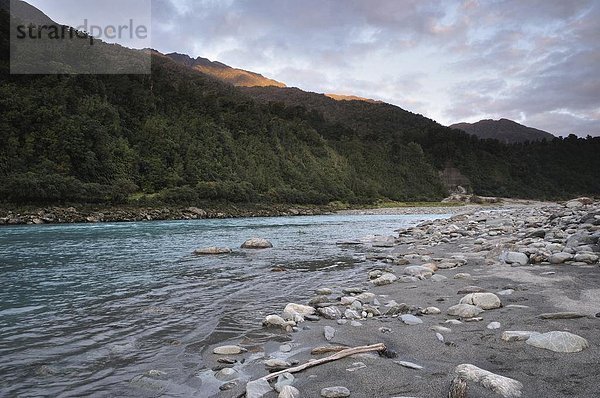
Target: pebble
{"x": 329, "y": 333}
{"x": 409, "y": 365}
{"x": 335, "y": 392}
{"x": 493, "y": 325}
{"x": 355, "y": 324}
{"x": 410, "y": 319}
{"x": 229, "y": 350}
{"x": 356, "y": 366}
{"x": 285, "y": 348}
{"x": 431, "y": 311}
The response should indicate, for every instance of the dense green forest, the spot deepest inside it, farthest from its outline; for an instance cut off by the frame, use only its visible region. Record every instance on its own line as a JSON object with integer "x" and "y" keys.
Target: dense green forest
{"x": 178, "y": 136}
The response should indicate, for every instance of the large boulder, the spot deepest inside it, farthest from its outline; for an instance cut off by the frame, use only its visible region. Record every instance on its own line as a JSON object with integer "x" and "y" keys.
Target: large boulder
{"x": 257, "y": 243}
{"x": 516, "y": 258}
{"x": 559, "y": 258}
{"x": 558, "y": 342}
{"x": 485, "y": 301}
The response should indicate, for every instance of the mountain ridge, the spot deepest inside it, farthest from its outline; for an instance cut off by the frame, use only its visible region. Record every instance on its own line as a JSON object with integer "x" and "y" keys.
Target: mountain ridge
{"x": 219, "y": 70}
{"x": 504, "y": 130}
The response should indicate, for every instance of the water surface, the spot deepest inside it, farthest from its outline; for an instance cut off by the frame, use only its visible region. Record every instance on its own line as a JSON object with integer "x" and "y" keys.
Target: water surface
{"x": 85, "y": 308}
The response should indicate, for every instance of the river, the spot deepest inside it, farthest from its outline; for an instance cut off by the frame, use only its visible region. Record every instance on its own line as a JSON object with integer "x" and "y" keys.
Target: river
{"x": 85, "y": 308}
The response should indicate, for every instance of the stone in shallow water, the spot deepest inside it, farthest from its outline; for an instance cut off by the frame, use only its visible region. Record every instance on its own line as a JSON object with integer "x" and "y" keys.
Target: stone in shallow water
{"x": 276, "y": 364}
{"x": 335, "y": 392}
{"x": 330, "y": 312}
{"x": 226, "y": 374}
{"x": 229, "y": 350}
{"x": 299, "y": 309}
{"x": 258, "y": 388}
{"x": 385, "y": 279}
{"x": 257, "y": 243}
{"x": 207, "y": 251}
{"x": 558, "y": 342}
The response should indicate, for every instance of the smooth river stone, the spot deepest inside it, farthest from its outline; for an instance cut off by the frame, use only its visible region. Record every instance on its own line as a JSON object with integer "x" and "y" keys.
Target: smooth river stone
{"x": 485, "y": 301}
{"x": 464, "y": 310}
{"x": 335, "y": 392}
{"x": 558, "y": 342}
{"x": 229, "y": 350}
{"x": 517, "y": 335}
{"x": 257, "y": 243}
{"x": 410, "y": 319}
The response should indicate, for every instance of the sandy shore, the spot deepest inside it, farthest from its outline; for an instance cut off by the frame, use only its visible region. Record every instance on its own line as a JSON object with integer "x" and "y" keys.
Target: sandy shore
{"x": 553, "y": 250}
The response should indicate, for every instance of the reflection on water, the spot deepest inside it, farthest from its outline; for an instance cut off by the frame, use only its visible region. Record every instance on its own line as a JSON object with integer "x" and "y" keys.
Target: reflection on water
{"x": 84, "y": 309}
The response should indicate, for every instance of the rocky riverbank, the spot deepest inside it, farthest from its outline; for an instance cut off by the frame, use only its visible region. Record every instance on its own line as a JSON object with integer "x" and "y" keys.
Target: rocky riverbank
{"x": 493, "y": 299}
{"x": 93, "y": 214}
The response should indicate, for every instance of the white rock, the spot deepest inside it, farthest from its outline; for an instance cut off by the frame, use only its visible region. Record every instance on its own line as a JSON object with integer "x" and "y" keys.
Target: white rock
{"x": 494, "y": 325}
{"x": 335, "y": 392}
{"x": 289, "y": 392}
{"x": 329, "y": 333}
{"x": 464, "y": 310}
{"x": 418, "y": 271}
{"x": 485, "y": 301}
{"x": 409, "y": 365}
{"x": 299, "y": 309}
{"x": 431, "y": 311}
{"x": 558, "y": 342}
{"x": 410, "y": 319}
{"x": 385, "y": 279}
{"x": 516, "y": 258}
{"x": 258, "y": 388}
{"x": 229, "y": 350}
{"x": 517, "y": 335}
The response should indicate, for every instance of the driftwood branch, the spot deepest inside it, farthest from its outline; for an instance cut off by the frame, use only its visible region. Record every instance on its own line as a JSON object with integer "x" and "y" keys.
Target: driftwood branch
{"x": 504, "y": 386}
{"x": 342, "y": 354}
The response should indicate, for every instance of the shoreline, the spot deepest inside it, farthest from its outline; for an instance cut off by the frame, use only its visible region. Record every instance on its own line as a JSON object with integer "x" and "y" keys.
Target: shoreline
{"x": 536, "y": 267}
{"x": 94, "y": 214}
{"x": 128, "y": 213}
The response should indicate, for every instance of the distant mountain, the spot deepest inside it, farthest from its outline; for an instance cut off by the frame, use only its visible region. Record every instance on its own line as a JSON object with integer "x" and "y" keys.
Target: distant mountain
{"x": 237, "y": 77}
{"x": 340, "y": 97}
{"x": 503, "y": 130}
{"x": 26, "y": 12}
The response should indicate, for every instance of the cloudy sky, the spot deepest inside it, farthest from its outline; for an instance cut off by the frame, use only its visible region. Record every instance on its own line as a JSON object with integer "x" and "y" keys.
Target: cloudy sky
{"x": 533, "y": 61}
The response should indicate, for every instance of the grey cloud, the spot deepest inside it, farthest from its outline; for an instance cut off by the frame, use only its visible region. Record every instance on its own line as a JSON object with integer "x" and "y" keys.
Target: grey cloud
{"x": 536, "y": 59}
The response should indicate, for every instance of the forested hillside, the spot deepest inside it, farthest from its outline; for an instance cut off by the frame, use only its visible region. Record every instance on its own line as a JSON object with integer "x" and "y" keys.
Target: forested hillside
{"x": 179, "y": 136}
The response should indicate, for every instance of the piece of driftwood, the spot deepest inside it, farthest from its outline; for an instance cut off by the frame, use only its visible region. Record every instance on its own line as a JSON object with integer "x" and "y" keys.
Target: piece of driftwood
{"x": 458, "y": 388}
{"x": 506, "y": 387}
{"x": 328, "y": 349}
{"x": 342, "y": 354}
